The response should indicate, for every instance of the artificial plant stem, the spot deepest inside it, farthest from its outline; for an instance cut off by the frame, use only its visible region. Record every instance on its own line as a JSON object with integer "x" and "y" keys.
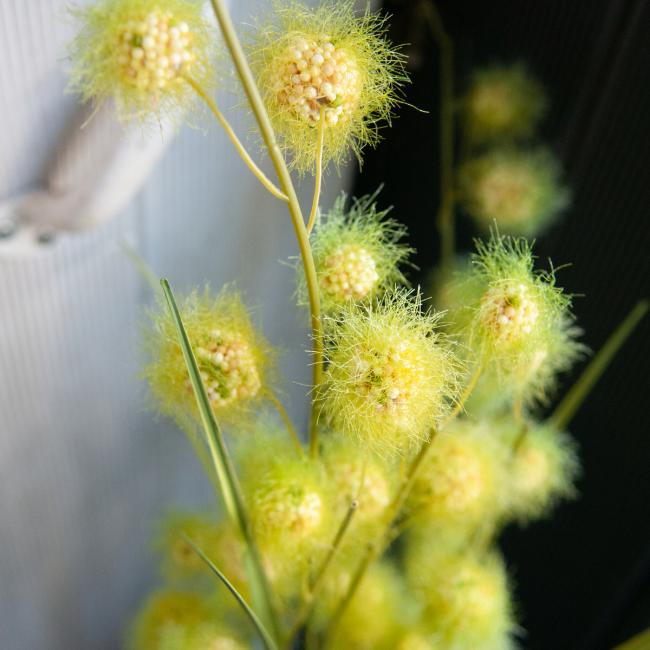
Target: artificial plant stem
{"x": 376, "y": 547}
{"x": 319, "y": 171}
{"x": 241, "y": 150}
{"x": 223, "y": 465}
{"x": 280, "y": 164}
{"x": 446, "y": 90}
{"x": 279, "y": 407}
{"x": 592, "y": 373}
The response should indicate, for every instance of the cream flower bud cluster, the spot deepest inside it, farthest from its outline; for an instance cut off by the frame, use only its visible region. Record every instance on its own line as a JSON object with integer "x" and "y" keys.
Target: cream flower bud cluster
{"x": 531, "y": 470}
{"x": 154, "y": 51}
{"x": 504, "y": 191}
{"x": 459, "y": 483}
{"x": 492, "y": 104}
{"x": 374, "y": 495}
{"x": 315, "y": 74}
{"x": 510, "y": 313}
{"x": 228, "y": 368}
{"x": 387, "y": 380}
{"x": 299, "y": 514}
{"x": 349, "y": 272}
{"x": 223, "y": 643}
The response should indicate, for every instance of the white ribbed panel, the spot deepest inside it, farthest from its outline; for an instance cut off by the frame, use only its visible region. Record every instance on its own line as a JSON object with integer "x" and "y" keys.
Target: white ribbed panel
{"x": 84, "y": 469}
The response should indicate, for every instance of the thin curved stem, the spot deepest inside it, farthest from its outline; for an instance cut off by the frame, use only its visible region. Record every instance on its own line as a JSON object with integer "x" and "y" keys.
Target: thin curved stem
{"x": 319, "y": 171}
{"x": 241, "y": 150}
{"x": 279, "y": 407}
{"x": 445, "y": 218}
{"x": 280, "y": 164}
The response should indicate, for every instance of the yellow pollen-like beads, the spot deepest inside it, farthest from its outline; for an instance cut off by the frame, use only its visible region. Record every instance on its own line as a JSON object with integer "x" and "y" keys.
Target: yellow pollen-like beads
{"x": 509, "y": 312}
{"x": 387, "y": 380}
{"x": 228, "y": 368}
{"x": 153, "y": 52}
{"x": 349, "y": 273}
{"x": 458, "y": 483}
{"x": 504, "y": 192}
{"x": 315, "y": 75}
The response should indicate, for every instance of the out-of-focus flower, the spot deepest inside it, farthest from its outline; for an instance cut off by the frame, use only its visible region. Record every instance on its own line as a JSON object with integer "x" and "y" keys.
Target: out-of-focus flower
{"x": 502, "y": 102}
{"x": 356, "y": 253}
{"x": 325, "y": 64}
{"x": 139, "y": 53}
{"x": 519, "y": 189}
{"x": 390, "y": 376}
{"x": 233, "y": 357}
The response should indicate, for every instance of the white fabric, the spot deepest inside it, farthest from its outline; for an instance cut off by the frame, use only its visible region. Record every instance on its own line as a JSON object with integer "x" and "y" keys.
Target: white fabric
{"x": 85, "y": 470}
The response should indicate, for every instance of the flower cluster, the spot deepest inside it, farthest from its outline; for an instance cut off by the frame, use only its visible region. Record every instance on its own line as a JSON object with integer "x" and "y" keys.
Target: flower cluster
{"x": 325, "y": 65}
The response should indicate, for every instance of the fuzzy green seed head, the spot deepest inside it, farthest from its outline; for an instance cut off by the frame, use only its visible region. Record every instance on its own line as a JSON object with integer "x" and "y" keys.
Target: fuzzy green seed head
{"x": 139, "y": 53}
{"x": 208, "y": 636}
{"x": 389, "y": 376}
{"x": 415, "y": 640}
{"x": 164, "y": 612}
{"x": 458, "y": 486}
{"x": 502, "y": 102}
{"x": 466, "y": 600}
{"x": 513, "y": 319}
{"x": 233, "y": 358}
{"x": 374, "y": 617}
{"x": 325, "y": 63}
{"x": 288, "y": 501}
{"x": 539, "y": 472}
{"x": 520, "y": 189}
{"x": 357, "y": 254}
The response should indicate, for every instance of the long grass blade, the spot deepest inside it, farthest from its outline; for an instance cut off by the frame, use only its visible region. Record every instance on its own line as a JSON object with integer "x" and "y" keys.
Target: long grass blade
{"x": 224, "y": 467}
{"x": 266, "y": 637}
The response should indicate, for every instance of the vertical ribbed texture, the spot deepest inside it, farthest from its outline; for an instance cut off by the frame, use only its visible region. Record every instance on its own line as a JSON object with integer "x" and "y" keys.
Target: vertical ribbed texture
{"x": 85, "y": 470}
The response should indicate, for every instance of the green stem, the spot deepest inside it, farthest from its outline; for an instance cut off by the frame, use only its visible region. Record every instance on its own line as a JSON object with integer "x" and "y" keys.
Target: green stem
{"x": 592, "y": 373}
{"x": 319, "y": 171}
{"x": 280, "y": 164}
{"x": 446, "y": 89}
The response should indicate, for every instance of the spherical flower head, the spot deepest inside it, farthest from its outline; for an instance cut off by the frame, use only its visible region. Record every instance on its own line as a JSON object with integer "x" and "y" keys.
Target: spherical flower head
{"x": 164, "y": 612}
{"x": 539, "y": 472}
{"x": 140, "y": 52}
{"x": 233, "y": 357}
{"x": 366, "y": 478}
{"x": 356, "y": 253}
{"x": 373, "y": 619}
{"x": 502, "y": 102}
{"x": 513, "y": 319}
{"x": 466, "y": 599}
{"x": 520, "y": 189}
{"x": 207, "y": 636}
{"x": 458, "y": 485}
{"x": 325, "y": 66}
{"x": 288, "y": 502}
{"x": 390, "y": 375}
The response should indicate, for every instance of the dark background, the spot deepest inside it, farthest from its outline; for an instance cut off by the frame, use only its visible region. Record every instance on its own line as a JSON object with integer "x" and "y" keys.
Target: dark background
{"x": 582, "y": 577}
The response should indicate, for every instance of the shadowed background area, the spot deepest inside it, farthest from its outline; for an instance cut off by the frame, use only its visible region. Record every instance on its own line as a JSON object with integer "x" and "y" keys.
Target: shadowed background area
{"x": 582, "y": 577}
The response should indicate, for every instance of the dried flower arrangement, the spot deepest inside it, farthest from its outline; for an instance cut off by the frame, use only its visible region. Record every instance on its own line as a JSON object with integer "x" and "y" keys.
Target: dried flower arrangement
{"x": 375, "y": 528}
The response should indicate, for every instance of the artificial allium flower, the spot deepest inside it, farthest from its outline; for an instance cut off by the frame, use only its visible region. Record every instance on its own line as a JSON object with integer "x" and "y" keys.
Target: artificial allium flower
{"x": 366, "y": 478}
{"x": 540, "y": 470}
{"x": 210, "y": 636}
{"x": 233, "y": 357}
{"x": 165, "y": 611}
{"x": 466, "y": 600}
{"x": 520, "y": 189}
{"x": 288, "y": 502}
{"x": 458, "y": 484}
{"x": 374, "y": 619}
{"x": 390, "y": 375}
{"x": 514, "y": 320}
{"x": 139, "y": 52}
{"x": 356, "y": 253}
{"x": 326, "y": 63}
{"x": 503, "y": 101}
